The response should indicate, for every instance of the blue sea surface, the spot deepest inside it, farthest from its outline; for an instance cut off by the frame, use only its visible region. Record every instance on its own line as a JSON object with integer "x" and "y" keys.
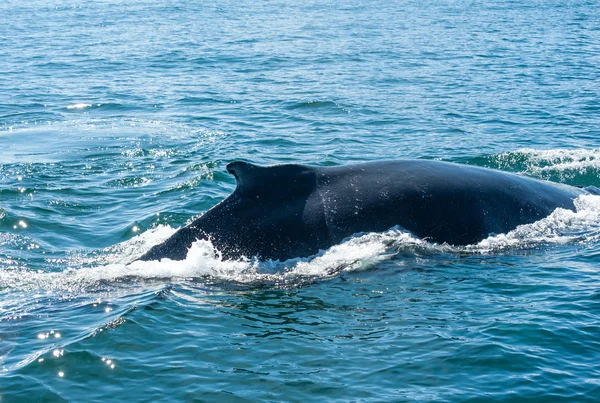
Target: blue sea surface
{"x": 117, "y": 118}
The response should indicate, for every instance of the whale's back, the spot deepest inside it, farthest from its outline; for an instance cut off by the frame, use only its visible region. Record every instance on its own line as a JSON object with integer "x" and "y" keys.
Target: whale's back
{"x": 443, "y": 202}
{"x": 290, "y": 210}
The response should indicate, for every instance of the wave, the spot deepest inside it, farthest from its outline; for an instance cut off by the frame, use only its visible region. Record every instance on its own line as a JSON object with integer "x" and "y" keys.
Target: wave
{"x": 577, "y": 167}
{"x": 112, "y": 267}
{"x": 80, "y": 106}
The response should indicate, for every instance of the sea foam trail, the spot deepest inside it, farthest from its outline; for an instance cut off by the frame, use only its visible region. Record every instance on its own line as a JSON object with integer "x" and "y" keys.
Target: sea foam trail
{"x": 356, "y": 253}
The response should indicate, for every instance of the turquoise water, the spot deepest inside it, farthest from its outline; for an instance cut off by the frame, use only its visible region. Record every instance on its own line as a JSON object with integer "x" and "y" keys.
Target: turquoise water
{"x": 117, "y": 119}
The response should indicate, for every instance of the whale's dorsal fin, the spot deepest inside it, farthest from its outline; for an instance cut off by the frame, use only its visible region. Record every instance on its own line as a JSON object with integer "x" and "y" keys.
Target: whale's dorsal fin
{"x": 258, "y": 179}
{"x": 243, "y": 172}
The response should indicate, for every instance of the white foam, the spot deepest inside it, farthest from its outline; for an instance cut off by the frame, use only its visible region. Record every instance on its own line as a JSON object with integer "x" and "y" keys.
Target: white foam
{"x": 203, "y": 260}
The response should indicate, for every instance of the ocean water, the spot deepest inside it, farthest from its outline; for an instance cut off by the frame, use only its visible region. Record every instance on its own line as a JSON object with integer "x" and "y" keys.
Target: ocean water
{"x": 117, "y": 119}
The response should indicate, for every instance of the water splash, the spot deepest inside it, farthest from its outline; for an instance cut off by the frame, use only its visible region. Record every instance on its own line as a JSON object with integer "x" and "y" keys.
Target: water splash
{"x": 561, "y": 227}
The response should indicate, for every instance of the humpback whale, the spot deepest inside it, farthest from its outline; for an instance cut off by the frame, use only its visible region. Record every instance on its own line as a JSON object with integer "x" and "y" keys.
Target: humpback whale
{"x": 290, "y": 210}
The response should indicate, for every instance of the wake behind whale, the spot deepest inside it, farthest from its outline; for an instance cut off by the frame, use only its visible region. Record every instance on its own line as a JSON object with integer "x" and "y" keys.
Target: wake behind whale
{"x": 285, "y": 211}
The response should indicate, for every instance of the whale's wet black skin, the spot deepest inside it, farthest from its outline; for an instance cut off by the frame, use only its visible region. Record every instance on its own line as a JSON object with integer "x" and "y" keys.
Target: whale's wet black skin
{"x": 285, "y": 211}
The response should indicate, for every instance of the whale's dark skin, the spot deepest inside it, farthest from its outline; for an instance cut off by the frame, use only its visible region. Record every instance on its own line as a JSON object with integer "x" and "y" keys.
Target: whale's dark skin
{"x": 284, "y": 211}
